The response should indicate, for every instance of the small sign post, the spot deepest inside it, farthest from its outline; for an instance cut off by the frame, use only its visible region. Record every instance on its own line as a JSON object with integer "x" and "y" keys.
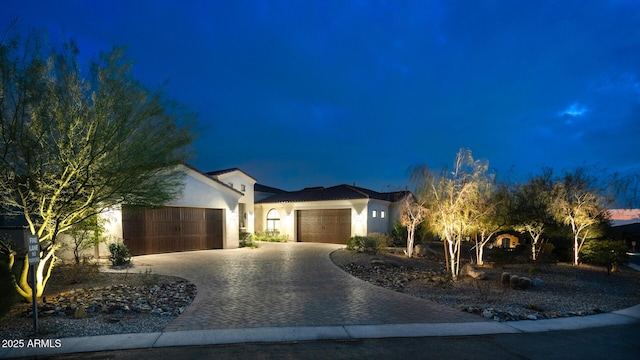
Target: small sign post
{"x": 33, "y": 256}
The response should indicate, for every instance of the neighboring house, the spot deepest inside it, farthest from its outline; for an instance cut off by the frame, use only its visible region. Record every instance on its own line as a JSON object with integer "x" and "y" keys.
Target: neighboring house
{"x": 505, "y": 241}
{"x": 330, "y": 215}
{"x": 624, "y": 216}
{"x": 626, "y": 227}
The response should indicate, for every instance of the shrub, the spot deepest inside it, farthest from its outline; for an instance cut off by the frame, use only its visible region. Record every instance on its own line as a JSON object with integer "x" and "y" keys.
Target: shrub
{"x": 7, "y": 288}
{"x": 148, "y": 278}
{"x": 119, "y": 254}
{"x": 78, "y": 273}
{"x": 372, "y": 243}
{"x": 609, "y": 254}
{"x": 246, "y": 240}
{"x": 271, "y": 236}
{"x": 399, "y": 235}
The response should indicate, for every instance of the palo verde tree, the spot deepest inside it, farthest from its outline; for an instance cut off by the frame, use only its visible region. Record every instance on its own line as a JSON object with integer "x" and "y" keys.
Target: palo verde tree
{"x": 412, "y": 213}
{"x": 579, "y": 201}
{"x": 493, "y": 206}
{"x": 532, "y": 211}
{"x": 74, "y": 144}
{"x": 451, "y": 198}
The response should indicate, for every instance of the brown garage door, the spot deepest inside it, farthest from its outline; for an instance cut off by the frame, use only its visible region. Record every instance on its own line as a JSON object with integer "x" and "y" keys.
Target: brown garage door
{"x": 170, "y": 229}
{"x": 326, "y": 226}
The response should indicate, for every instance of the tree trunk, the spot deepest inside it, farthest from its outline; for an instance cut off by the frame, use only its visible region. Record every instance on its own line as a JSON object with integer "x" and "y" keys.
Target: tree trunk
{"x": 410, "y": 239}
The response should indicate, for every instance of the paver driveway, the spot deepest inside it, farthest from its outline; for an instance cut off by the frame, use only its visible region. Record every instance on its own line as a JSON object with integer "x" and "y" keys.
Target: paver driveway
{"x": 286, "y": 284}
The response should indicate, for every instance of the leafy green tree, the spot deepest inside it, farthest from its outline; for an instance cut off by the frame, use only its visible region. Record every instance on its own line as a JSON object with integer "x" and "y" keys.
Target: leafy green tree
{"x": 74, "y": 145}
{"x": 85, "y": 235}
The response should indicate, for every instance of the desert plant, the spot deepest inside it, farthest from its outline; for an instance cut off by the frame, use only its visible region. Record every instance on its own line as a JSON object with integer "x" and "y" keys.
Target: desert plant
{"x": 271, "y": 236}
{"x": 609, "y": 254}
{"x": 372, "y": 243}
{"x": 7, "y": 288}
{"x": 119, "y": 254}
{"x": 246, "y": 240}
{"x": 148, "y": 278}
{"x": 85, "y": 235}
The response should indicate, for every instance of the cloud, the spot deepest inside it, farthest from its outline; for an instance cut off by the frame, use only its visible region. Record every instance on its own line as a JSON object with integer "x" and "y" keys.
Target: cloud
{"x": 575, "y": 110}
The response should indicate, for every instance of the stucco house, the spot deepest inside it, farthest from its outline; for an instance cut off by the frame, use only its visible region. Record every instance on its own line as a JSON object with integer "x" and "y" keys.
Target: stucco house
{"x": 332, "y": 214}
{"x": 215, "y": 207}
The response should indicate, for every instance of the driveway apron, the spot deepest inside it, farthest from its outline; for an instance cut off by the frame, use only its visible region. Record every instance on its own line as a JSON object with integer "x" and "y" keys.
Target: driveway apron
{"x": 286, "y": 284}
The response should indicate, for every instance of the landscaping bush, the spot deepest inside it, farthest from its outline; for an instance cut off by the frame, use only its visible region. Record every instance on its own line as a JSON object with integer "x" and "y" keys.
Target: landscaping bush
{"x": 119, "y": 254}
{"x": 609, "y": 254}
{"x": 372, "y": 243}
{"x": 271, "y": 236}
{"x": 246, "y": 240}
{"x": 398, "y": 235}
{"x": 7, "y": 289}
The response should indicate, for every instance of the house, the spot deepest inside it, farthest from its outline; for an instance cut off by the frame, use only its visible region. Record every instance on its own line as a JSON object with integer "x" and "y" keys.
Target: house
{"x": 626, "y": 227}
{"x": 215, "y": 207}
{"x": 505, "y": 241}
{"x": 330, "y": 215}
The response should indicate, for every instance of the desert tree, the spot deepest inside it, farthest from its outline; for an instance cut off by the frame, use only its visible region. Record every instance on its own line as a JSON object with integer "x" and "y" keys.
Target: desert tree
{"x": 74, "y": 145}
{"x": 451, "y": 196}
{"x": 493, "y": 207}
{"x": 532, "y": 211}
{"x": 412, "y": 213}
{"x": 580, "y": 201}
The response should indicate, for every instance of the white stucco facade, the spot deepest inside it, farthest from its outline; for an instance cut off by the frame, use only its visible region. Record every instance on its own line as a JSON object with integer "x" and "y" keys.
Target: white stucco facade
{"x": 362, "y": 220}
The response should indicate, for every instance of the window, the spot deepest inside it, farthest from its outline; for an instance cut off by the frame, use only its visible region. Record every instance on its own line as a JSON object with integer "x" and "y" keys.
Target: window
{"x": 374, "y": 213}
{"x": 273, "y": 220}
{"x": 243, "y": 188}
{"x": 381, "y": 214}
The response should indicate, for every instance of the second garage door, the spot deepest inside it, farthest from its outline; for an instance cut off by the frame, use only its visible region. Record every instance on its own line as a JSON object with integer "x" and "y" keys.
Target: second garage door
{"x": 170, "y": 229}
{"x": 325, "y": 226}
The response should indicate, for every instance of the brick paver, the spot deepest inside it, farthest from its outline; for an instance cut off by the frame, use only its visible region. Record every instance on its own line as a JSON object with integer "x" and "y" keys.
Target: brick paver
{"x": 286, "y": 284}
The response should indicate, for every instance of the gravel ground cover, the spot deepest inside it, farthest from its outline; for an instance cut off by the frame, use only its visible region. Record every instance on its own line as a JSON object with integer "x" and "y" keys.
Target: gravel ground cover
{"x": 562, "y": 289}
{"x": 86, "y": 302}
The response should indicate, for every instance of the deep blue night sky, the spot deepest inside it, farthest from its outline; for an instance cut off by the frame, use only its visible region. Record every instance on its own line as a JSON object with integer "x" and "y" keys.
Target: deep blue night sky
{"x": 308, "y": 93}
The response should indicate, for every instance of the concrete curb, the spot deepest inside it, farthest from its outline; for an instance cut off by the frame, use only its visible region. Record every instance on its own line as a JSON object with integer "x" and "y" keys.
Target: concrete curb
{"x": 302, "y": 333}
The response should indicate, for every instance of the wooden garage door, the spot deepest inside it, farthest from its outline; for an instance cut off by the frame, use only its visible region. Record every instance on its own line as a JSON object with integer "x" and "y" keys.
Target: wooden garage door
{"x": 170, "y": 229}
{"x": 325, "y": 226}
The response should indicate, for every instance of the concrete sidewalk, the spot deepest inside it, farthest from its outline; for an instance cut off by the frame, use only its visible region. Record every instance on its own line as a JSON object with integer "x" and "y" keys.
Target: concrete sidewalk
{"x": 347, "y": 332}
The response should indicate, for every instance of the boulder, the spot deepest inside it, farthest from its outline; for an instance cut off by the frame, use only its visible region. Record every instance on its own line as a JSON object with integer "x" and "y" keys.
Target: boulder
{"x": 469, "y": 270}
{"x": 514, "y": 281}
{"x": 537, "y": 282}
{"x": 423, "y": 250}
{"x": 504, "y": 278}
{"x": 524, "y": 283}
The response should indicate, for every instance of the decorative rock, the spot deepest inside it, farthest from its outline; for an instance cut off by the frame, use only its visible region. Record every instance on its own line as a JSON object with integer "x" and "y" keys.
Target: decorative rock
{"x": 470, "y": 271}
{"x": 537, "y": 282}
{"x": 423, "y": 250}
{"x": 504, "y": 278}
{"x": 514, "y": 281}
{"x": 524, "y": 283}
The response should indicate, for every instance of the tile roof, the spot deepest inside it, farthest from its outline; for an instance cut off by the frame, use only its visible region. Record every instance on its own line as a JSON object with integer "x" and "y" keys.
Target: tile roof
{"x": 339, "y": 192}
{"x": 226, "y": 171}
{"x": 267, "y": 189}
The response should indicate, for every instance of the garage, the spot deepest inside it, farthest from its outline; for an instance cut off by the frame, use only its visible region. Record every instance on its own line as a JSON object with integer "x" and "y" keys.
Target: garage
{"x": 171, "y": 229}
{"x": 324, "y": 225}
